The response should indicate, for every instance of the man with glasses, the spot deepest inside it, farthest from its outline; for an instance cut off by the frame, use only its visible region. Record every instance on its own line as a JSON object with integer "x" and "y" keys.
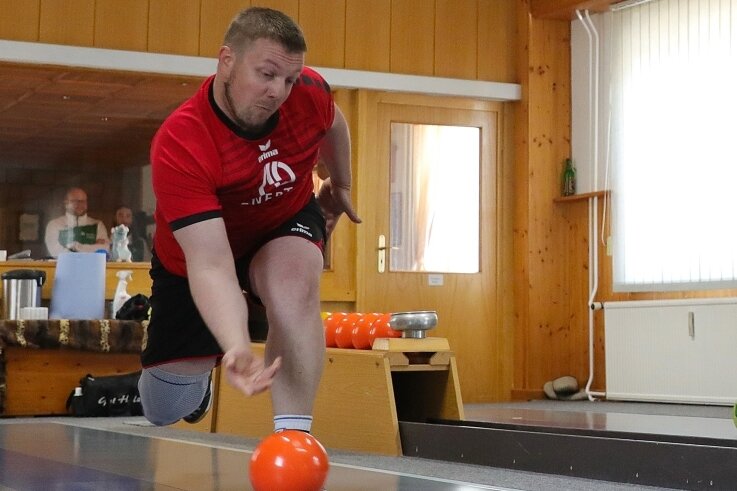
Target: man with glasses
{"x": 75, "y": 231}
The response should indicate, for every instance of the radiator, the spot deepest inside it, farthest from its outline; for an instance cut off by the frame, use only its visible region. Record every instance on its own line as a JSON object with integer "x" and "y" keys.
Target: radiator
{"x": 680, "y": 351}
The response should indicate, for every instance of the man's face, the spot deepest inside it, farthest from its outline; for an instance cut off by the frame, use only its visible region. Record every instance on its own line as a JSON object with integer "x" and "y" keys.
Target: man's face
{"x": 258, "y": 81}
{"x": 76, "y": 202}
{"x": 124, "y": 216}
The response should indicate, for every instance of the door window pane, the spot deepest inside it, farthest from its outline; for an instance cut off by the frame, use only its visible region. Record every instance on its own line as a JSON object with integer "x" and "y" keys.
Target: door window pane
{"x": 434, "y": 193}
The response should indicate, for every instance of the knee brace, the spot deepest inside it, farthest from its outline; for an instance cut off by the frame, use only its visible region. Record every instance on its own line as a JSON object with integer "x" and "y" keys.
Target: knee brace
{"x": 167, "y": 397}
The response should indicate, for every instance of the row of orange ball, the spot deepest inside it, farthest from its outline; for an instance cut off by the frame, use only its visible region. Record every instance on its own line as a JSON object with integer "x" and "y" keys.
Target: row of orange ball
{"x": 356, "y": 330}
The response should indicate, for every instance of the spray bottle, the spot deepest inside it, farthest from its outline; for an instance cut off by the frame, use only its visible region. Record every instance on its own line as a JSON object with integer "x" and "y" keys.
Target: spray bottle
{"x": 121, "y": 291}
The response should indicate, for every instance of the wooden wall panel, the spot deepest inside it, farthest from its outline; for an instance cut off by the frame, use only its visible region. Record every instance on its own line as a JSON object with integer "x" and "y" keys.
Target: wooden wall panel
{"x": 215, "y": 18}
{"x": 574, "y": 281}
{"x": 497, "y": 41}
{"x": 547, "y": 333}
{"x": 67, "y": 22}
{"x": 413, "y": 37}
{"x": 174, "y": 27}
{"x": 521, "y": 272}
{"x": 398, "y": 36}
{"x": 456, "y": 38}
{"x": 323, "y": 22}
{"x": 549, "y": 144}
{"x": 19, "y": 20}
{"x": 116, "y": 31}
{"x": 367, "y": 35}
{"x": 289, "y": 7}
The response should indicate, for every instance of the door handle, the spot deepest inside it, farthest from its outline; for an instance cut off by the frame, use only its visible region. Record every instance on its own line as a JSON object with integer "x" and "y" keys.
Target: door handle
{"x": 381, "y": 254}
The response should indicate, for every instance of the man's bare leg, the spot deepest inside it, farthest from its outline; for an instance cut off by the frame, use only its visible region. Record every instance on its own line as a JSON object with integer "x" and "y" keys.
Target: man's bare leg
{"x": 285, "y": 274}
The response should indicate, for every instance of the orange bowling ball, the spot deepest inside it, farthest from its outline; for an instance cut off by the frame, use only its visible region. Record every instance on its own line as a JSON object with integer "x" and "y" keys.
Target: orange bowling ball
{"x": 331, "y": 323}
{"x": 344, "y": 331}
{"x": 289, "y": 461}
{"x": 381, "y": 329}
{"x": 360, "y": 333}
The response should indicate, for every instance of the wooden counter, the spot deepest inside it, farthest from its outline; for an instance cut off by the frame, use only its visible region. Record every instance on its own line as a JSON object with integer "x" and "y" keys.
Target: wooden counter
{"x": 140, "y": 281}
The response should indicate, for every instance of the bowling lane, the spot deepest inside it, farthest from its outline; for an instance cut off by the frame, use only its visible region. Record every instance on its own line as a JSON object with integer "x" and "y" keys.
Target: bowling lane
{"x": 43, "y": 456}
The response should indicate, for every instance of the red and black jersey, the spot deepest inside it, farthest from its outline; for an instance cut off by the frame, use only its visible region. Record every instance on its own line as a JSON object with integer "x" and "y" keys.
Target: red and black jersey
{"x": 204, "y": 166}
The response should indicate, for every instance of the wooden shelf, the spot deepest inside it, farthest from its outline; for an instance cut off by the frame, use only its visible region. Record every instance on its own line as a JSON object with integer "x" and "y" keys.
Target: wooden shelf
{"x": 580, "y": 197}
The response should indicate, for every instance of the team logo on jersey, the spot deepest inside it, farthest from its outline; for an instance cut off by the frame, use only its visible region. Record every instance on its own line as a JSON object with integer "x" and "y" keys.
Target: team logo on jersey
{"x": 277, "y": 180}
{"x": 276, "y": 175}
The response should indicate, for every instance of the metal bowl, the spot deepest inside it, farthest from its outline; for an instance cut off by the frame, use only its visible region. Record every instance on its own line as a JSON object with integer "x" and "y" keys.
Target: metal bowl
{"x": 414, "y": 324}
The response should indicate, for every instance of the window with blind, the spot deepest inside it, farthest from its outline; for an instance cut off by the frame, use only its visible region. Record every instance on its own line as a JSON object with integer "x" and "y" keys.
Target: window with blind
{"x": 670, "y": 109}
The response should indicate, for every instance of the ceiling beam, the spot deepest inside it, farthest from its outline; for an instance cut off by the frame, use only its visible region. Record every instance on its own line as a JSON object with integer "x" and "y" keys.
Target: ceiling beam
{"x": 566, "y": 9}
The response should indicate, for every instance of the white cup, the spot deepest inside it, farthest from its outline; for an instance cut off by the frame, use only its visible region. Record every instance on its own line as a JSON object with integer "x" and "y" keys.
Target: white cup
{"x": 3, "y": 256}
{"x": 33, "y": 313}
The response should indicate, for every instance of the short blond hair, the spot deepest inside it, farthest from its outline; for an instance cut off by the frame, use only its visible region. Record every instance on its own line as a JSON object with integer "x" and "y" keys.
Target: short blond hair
{"x": 264, "y": 23}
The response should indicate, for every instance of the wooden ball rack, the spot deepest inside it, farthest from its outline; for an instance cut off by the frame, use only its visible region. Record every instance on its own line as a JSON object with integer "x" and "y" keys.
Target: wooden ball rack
{"x": 362, "y": 397}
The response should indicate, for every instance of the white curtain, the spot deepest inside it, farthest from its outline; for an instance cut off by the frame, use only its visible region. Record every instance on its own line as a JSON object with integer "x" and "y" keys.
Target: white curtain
{"x": 672, "y": 105}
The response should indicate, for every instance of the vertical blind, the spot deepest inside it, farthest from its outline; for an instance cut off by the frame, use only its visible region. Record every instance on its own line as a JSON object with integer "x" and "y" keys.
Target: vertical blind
{"x": 672, "y": 72}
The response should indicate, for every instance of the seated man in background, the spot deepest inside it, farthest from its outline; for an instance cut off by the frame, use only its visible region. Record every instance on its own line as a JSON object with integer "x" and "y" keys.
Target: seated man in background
{"x": 136, "y": 232}
{"x": 75, "y": 231}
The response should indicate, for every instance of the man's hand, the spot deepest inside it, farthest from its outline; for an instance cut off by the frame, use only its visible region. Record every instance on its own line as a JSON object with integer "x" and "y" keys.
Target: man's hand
{"x": 334, "y": 201}
{"x": 247, "y": 372}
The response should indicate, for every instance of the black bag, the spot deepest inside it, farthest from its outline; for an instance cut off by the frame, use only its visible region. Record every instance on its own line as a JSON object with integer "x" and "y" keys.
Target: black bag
{"x": 112, "y": 395}
{"x": 134, "y": 309}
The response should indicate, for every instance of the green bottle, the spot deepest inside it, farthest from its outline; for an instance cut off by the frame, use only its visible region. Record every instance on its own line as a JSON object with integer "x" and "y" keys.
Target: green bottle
{"x": 569, "y": 179}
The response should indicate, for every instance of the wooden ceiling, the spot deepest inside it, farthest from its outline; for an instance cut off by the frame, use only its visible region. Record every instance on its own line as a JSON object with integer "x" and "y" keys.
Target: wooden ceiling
{"x": 64, "y": 116}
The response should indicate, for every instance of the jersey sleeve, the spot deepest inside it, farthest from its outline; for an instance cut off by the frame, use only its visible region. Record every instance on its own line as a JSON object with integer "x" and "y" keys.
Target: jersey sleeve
{"x": 320, "y": 95}
{"x": 184, "y": 177}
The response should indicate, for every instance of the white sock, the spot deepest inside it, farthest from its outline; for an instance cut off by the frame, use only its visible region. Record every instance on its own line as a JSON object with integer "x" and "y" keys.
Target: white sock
{"x": 301, "y": 422}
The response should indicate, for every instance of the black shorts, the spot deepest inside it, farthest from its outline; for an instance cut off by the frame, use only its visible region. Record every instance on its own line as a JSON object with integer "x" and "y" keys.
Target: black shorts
{"x": 176, "y": 330}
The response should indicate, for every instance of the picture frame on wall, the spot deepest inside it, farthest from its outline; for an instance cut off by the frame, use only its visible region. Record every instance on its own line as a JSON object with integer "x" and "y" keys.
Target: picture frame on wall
{"x": 29, "y": 227}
